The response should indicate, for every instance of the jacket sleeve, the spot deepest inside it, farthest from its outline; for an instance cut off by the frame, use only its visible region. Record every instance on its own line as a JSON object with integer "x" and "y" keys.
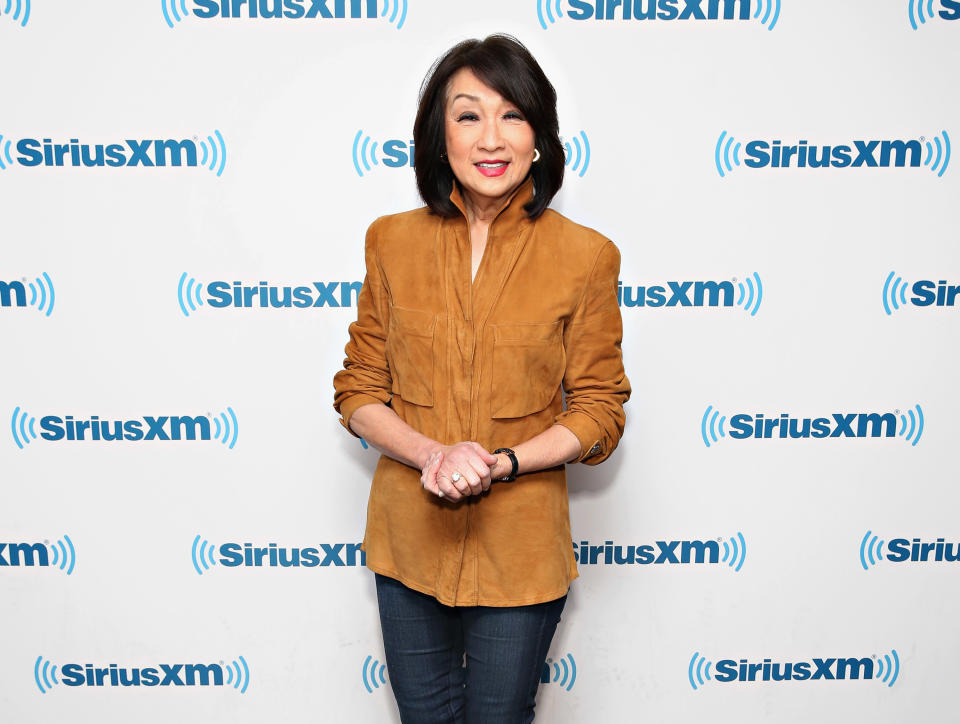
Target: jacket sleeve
{"x": 365, "y": 377}
{"x": 594, "y": 381}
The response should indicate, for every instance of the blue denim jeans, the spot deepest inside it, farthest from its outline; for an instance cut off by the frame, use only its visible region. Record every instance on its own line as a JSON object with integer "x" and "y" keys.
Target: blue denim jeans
{"x": 463, "y": 665}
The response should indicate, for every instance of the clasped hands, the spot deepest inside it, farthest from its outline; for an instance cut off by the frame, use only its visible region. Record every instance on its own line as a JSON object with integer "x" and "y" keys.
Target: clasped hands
{"x": 458, "y": 471}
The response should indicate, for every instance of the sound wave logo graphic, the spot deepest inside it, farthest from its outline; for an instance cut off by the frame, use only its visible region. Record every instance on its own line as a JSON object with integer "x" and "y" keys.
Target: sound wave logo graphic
{"x": 735, "y": 552}
{"x": 188, "y": 294}
{"x": 63, "y": 555}
{"x": 894, "y": 293}
{"x": 237, "y": 677}
{"x": 724, "y": 152}
{"x": 202, "y": 554}
{"x": 226, "y": 429}
{"x": 374, "y": 674}
{"x": 712, "y": 426}
{"x": 552, "y": 10}
{"x": 45, "y": 674}
{"x": 911, "y": 426}
{"x": 42, "y": 294}
{"x": 20, "y": 11}
{"x": 888, "y": 668}
{"x": 578, "y": 155}
{"x": 23, "y": 427}
{"x": 751, "y": 294}
{"x": 174, "y": 11}
{"x": 871, "y": 550}
{"x": 922, "y": 10}
{"x": 941, "y": 160}
{"x": 564, "y": 672}
{"x": 365, "y": 153}
{"x": 6, "y": 159}
{"x": 214, "y": 153}
{"x": 771, "y": 13}
{"x": 698, "y": 672}
{"x": 395, "y": 8}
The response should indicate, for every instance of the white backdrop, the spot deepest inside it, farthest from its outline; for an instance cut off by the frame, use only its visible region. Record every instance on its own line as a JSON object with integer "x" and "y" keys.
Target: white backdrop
{"x": 123, "y": 552}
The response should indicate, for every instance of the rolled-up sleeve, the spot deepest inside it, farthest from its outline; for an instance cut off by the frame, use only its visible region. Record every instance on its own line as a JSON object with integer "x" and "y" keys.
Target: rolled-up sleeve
{"x": 365, "y": 377}
{"x": 595, "y": 383}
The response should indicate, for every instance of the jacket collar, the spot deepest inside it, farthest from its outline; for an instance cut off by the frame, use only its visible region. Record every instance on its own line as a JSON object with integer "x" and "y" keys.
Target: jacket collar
{"x": 511, "y": 216}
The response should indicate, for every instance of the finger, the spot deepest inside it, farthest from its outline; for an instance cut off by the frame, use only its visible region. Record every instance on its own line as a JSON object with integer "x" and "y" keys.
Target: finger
{"x": 429, "y": 477}
{"x": 447, "y": 488}
{"x": 487, "y": 457}
{"x": 463, "y": 484}
{"x": 472, "y": 480}
{"x": 432, "y": 463}
{"x": 478, "y": 473}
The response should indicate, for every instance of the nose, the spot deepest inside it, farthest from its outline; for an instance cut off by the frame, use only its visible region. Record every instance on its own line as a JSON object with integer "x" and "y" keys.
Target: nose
{"x": 490, "y": 136}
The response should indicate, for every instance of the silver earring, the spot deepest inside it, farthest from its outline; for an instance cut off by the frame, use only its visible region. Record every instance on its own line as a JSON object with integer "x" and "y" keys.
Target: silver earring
{"x": 536, "y": 155}
{"x": 443, "y": 157}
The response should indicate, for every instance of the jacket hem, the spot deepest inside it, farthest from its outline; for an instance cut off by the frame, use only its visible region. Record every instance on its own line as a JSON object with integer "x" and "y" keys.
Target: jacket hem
{"x": 481, "y": 601}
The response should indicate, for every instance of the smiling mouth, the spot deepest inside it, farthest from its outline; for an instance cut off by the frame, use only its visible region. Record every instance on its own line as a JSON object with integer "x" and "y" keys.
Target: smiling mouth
{"x": 492, "y": 169}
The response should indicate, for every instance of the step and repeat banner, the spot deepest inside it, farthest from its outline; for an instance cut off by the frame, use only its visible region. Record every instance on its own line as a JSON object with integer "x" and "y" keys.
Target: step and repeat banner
{"x": 184, "y": 191}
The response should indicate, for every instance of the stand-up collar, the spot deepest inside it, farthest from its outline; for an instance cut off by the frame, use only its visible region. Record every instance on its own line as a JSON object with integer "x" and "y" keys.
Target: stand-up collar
{"x": 511, "y": 216}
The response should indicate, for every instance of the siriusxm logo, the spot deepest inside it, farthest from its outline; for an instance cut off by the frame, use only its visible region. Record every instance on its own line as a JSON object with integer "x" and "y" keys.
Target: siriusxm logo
{"x": 220, "y": 295}
{"x": 394, "y": 11}
{"x": 562, "y": 672}
{"x": 859, "y": 154}
{"x": 885, "y": 669}
{"x": 55, "y": 428}
{"x": 42, "y": 295}
{"x": 396, "y": 153}
{"x": 236, "y": 674}
{"x": 906, "y": 550}
{"x": 205, "y": 555}
{"x": 767, "y": 12}
{"x": 925, "y": 293}
{"x": 60, "y": 554}
{"x": 747, "y": 294}
{"x": 209, "y": 153}
{"x": 664, "y": 552}
{"x": 713, "y": 426}
{"x": 923, "y": 10}
{"x": 17, "y": 10}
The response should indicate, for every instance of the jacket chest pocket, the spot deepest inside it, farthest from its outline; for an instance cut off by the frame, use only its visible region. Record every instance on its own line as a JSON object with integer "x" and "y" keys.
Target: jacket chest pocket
{"x": 528, "y": 365}
{"x": 410, "y": 343}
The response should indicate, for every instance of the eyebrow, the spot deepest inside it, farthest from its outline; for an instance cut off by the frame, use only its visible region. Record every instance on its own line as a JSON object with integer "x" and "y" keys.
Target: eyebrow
{"x": 476, "y": 99}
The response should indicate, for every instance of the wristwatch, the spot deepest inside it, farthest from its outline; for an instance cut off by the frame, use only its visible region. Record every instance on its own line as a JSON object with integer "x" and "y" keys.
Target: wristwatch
{"x": 513, "y": 462}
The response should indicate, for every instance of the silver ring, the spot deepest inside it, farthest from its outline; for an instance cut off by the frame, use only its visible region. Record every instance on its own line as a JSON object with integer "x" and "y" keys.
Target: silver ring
{"x": 455, "y": 478}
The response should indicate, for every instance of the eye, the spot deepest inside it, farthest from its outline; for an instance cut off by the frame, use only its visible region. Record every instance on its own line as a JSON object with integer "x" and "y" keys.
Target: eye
{"x": 467, "y": 117}
{"x": 513, "y": 115}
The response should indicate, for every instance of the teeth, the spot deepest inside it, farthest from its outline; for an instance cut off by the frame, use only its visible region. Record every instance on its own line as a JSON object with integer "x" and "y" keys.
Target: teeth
{"x": 491, "y": 165}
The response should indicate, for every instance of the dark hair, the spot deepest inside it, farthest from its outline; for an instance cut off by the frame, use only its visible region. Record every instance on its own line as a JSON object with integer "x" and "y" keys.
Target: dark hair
{"x": 504, "y": 64}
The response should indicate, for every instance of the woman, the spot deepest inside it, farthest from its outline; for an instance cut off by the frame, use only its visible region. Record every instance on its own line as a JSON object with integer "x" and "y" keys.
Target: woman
{"x": 477, "y": 314}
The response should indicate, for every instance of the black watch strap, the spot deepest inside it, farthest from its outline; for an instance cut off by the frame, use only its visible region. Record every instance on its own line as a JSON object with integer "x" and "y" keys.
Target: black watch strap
{"x": 513, "y": 461}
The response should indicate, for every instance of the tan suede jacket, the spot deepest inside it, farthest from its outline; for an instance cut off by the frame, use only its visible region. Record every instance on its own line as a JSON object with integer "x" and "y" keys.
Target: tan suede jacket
{"x": 487, "y": 361}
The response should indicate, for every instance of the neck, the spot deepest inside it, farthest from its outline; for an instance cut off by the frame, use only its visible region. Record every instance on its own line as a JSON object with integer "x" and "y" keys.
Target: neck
{"x": 482, "y": 211}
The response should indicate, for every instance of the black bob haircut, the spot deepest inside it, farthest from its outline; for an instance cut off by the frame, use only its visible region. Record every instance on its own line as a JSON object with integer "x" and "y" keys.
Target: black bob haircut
{"x": 504, "y": 64}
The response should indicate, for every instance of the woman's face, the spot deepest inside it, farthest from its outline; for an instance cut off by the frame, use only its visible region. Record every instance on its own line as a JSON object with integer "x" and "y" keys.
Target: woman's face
{"x": 489, "y": 143}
